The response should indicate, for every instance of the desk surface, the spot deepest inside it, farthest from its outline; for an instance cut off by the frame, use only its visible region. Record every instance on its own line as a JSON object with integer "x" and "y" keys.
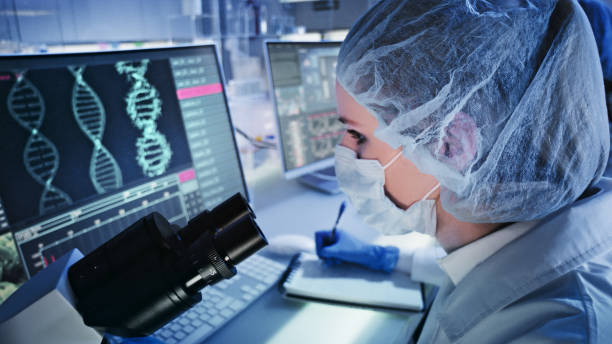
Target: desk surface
{"x": 286, "y": 207}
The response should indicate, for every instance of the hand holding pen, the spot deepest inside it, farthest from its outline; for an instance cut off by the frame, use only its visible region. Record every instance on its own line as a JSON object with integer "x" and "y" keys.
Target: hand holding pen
{"x": 327, "y": 238}
{"x": 336, "y": 246}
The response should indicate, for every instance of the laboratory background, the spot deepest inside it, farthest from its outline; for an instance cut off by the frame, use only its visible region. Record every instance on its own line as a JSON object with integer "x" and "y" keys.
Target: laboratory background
{"x": 181, "y": 107}
{"x": 238, "y": 28}
{"x": 240, "y": 37}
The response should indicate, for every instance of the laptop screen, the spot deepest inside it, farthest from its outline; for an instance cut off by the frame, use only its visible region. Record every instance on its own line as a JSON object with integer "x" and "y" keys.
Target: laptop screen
{"x": 90, "y": 143}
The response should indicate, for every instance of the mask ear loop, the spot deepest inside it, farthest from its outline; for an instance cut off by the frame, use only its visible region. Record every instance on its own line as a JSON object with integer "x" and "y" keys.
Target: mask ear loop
{"x": 431, "y": 191}
{"x": 392, "y": 160}
{"x": 395, "y": 159}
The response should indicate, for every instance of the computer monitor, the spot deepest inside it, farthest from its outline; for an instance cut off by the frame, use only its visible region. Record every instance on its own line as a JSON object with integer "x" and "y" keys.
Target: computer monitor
{"x": 92, "y": 142}
{"x": 303, "y": 83}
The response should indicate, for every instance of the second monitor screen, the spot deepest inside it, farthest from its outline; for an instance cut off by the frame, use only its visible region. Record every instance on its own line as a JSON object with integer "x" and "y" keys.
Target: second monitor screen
{"x": 304, "y": 79}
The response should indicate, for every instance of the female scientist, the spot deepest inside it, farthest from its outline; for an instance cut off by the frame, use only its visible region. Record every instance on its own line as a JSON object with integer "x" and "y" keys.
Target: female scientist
{"x": 484, "y": 124}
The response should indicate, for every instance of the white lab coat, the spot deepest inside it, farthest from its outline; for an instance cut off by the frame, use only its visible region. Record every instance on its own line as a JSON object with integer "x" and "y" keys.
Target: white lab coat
{"x": 551, "y": 285}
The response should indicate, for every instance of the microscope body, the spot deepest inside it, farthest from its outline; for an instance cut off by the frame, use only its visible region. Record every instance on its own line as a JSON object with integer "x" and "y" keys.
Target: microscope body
{"x": 140, "y": 273}
{"x": 143, "y": 277}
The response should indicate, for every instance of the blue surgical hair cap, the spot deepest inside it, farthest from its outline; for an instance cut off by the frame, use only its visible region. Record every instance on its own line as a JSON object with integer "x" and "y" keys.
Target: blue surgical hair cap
{"x": 502, "y": 101}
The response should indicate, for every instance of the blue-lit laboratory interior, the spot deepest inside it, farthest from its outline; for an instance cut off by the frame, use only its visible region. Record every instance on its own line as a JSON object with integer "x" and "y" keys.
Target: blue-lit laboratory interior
{"x": 305, "y": 171}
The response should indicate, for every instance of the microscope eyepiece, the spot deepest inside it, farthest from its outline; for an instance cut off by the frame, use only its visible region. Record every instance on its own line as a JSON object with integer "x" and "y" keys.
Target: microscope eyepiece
{"x": 223, "y": 237}
{"x": 151, "y": 272}
{"x": 233, "y": 226}
{"x": 238, "y": 235}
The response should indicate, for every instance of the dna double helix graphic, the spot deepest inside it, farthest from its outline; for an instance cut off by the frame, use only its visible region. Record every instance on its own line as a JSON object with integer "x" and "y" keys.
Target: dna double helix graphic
{"x": 89, "y": 114}
{"x": 144, "y": 107}
{"x": 40, "y": 156}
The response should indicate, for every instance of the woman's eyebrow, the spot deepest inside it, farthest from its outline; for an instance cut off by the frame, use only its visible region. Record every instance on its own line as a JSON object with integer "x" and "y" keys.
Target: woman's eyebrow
{"x": 345, "y": 120}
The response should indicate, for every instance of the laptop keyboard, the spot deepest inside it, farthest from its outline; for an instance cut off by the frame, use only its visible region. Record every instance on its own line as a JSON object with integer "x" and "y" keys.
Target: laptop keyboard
{"x": 223, "y": 301}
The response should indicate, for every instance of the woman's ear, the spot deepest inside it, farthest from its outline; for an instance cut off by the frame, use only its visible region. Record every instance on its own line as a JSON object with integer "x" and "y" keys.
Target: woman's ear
{"x": 459, "y": 143}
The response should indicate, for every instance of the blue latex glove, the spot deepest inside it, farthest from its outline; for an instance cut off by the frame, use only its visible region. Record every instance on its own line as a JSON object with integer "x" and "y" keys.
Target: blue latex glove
{"x": 346, "y": 248}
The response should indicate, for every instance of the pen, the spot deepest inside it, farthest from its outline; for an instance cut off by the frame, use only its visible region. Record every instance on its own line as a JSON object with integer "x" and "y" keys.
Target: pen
{"x": 333, "y": 233}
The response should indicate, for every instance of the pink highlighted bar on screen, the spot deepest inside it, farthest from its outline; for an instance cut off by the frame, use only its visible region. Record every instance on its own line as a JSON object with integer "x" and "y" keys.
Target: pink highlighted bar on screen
{"x": 186, "y": 175}
{"x": 198, "y": 91}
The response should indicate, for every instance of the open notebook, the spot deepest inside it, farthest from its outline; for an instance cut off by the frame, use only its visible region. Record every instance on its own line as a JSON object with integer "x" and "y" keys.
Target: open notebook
{"x": 310, "y": 278}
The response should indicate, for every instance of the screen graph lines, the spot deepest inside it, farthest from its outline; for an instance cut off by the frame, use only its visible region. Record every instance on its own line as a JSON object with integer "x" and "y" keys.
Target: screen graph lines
{"x": 87, "y": 227}
{"x": 49, "y": 252}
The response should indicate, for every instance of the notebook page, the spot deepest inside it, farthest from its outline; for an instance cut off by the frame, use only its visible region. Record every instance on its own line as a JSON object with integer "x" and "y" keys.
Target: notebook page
{"x": 311, "y": 277}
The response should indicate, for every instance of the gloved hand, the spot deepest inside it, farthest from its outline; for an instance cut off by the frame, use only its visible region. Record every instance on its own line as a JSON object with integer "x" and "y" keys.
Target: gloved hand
{"x": 346, "y": 248}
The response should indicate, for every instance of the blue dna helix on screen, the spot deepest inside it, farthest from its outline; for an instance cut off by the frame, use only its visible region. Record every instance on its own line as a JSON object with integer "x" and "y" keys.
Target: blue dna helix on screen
{"x": 40, "y": 156}
{"x": 144, "y": 106}
{"x": 89, "y": 114}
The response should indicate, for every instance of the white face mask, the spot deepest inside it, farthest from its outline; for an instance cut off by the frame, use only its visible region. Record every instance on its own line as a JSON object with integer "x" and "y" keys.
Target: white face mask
{"x": 363, "y": 182}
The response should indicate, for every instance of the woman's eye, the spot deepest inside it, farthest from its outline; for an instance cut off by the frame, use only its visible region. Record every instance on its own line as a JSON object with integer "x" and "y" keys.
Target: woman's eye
{"x": 357, "y": 136}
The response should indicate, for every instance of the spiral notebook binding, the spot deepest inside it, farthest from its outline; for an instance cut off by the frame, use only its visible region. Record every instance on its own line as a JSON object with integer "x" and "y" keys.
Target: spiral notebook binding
{"x": 292, "y": 269}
